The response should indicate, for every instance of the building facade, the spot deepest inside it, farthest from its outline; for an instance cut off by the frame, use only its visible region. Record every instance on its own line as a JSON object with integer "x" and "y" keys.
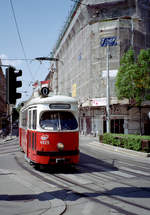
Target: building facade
{"x": 3, "y": 106}
{"x": 82, "y": 64}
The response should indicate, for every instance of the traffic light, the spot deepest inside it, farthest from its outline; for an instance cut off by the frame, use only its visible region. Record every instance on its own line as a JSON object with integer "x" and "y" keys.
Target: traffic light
{"x": 12, "y": 84}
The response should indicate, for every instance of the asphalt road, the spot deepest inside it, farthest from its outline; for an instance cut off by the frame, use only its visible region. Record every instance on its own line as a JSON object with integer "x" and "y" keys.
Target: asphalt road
{"x": 105, "y": 182}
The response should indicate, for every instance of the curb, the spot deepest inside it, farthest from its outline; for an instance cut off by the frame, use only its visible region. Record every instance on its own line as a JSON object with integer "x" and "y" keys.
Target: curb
{"x": 123, "y": 150}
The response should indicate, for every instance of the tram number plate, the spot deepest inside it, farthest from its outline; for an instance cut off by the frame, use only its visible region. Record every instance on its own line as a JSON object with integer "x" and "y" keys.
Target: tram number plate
{"x": 60, "y": 160}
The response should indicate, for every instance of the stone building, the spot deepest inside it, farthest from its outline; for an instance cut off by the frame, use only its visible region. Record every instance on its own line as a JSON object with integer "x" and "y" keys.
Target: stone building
{"x": 81, "y": 68}
{"x": 3, "y": 106}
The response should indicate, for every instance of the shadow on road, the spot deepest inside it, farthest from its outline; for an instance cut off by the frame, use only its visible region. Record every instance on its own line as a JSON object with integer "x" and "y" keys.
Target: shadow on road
{"x": 122, "y": 194}
{"x": 87, "y": 164}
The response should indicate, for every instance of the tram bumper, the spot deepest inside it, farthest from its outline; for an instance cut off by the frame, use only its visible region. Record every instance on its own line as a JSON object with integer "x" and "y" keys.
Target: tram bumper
{"x": 54, "y": 157}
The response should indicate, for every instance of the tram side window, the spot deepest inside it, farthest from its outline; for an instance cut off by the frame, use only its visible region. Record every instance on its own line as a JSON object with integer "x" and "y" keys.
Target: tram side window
{"x": 24, "y": 118}
{"x": 30, "y": 119}
{"x": 34, "y": 119}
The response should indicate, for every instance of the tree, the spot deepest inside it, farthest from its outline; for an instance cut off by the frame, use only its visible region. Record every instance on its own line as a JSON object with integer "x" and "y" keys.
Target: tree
{"x": 133, "y": 78}
{"x": 143, "y": 62}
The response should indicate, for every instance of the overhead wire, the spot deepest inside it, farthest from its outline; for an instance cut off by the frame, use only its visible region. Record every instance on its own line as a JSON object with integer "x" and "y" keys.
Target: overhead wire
{"x": 20, "y": 39}
{"x": 15, "y": 59}
{"x": 79, "y": 2}
{"x": 22, "y": 46}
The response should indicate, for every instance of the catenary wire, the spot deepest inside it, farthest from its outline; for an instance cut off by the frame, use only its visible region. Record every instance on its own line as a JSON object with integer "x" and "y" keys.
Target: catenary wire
{"x": 20, "y": 39}
{"x": 22, "y": 46}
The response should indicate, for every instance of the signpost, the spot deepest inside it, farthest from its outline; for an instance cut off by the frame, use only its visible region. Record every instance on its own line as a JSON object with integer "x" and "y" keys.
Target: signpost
{"x": 107, "y": 42}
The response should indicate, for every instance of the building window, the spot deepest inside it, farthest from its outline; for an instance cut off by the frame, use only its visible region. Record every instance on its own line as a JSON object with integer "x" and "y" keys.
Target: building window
{"x": 117, "y": 126}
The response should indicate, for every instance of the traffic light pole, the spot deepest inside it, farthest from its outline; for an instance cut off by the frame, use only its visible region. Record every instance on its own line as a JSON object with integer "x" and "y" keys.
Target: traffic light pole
{"x": 11, "y": 107}
{"x": 10, "y": 114}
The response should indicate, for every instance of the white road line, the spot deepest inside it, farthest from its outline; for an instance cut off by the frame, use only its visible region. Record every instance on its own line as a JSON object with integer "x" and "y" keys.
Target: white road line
{"x": 77, "y": 178}
{"x": 135, "y": 171}
{"x": 122, "y": 174}
{"x": 115, "y": 172}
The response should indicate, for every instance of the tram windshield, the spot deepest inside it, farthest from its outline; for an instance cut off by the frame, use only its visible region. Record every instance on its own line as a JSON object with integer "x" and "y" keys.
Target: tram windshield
{"x": 58, "y": 120}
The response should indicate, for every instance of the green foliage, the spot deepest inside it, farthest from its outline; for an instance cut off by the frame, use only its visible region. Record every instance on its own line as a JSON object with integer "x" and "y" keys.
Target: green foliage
{"x": 109, "y": 139}
{"x": 133, "y": 142}
{"x": 133, "y": 78}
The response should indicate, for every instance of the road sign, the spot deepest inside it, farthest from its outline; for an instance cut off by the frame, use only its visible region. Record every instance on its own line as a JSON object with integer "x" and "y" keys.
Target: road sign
{"x": 108, "y": 41}
{"x": 45, "y": 91}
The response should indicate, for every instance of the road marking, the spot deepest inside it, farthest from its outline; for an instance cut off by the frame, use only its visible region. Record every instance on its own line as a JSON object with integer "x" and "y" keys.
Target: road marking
{"x": 132, "y": 165}
{"x": 135, "y": 171}
{"x": 6, "y": 171}
{"x": 115, "y": 172}
{"x": 76, "y": 178}
{"x": 122, "y": 174}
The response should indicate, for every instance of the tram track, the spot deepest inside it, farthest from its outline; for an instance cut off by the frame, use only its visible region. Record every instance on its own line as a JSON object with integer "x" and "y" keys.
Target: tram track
{"x": 61, "y": 181}
{"x": 85, "y": 184}
{"x": 54, "y": 181}
{"x": 69, "y": 186}
{"x": 43, "y": 179}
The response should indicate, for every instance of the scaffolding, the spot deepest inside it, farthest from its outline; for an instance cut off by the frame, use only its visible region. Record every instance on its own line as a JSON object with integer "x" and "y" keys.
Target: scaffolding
{"x": 82, "y": 62}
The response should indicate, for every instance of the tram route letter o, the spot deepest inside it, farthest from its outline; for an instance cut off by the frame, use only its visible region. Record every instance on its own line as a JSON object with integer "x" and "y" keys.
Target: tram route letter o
{"x": 45, "y": 91}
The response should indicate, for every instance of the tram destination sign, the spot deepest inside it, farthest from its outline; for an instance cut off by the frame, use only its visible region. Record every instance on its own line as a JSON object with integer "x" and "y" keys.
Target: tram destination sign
{"x": 60, "y": 106}
{"x": 108, "y": 41}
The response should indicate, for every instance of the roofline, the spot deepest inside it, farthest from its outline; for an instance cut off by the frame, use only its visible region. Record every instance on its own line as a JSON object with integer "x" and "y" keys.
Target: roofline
{"x": 66, "y": 25}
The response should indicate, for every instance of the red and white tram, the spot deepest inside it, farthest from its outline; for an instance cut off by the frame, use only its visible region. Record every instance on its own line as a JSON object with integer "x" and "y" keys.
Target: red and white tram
{"x": 48, "y": 130}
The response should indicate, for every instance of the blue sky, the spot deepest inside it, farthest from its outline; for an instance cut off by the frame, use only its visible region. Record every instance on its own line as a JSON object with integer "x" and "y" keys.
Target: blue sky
{"x": 40, "y": 23}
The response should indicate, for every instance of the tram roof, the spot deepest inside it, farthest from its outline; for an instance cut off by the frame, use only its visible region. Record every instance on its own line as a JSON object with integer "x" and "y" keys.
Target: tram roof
{"x": 50, "y": 99}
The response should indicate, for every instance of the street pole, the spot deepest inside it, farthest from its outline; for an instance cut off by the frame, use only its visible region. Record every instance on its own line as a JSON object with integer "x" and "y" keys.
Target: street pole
{"x": 56, "y": 77}
{"x": 11, "y": 126}
{"x": 107, "y": 93}
{"x": 107, "y": 42}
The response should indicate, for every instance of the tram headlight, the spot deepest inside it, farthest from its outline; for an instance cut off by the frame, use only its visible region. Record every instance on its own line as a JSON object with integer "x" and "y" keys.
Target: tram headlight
{"x": 60, "y": 146}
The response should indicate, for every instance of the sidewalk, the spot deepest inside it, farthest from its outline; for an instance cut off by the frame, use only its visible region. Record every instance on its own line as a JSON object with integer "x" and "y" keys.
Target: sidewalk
{"x": 95, "y": 141}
